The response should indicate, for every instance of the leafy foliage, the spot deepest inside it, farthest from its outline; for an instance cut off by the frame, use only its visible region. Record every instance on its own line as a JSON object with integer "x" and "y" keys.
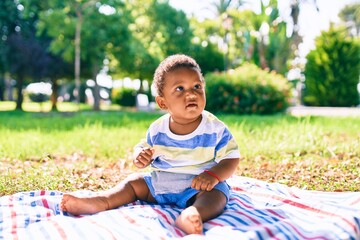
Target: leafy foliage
{"x": 247, "y": 90}
{"x": 332, "y": 70}
{"x": 26, "y": 54}
{"x": 124, "y": 96}
{"x": 38, "y": 97}
{"x": 208, "y": 57}
{"x": 351, "y": 15}
{"x": 157, "y": 30}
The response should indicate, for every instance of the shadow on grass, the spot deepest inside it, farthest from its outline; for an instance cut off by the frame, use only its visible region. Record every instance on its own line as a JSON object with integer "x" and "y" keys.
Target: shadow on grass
{"x": 56, "y": 120}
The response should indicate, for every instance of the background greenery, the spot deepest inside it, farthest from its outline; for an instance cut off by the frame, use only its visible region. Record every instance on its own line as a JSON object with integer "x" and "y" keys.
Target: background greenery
{"x": 342, "y": 76}
{"x": 247, "y": 90}
{"x": 62, "y": 41}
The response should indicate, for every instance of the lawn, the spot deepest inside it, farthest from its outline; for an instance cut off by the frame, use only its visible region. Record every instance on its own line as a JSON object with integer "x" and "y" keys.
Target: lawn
{"x": 93, "y": 150}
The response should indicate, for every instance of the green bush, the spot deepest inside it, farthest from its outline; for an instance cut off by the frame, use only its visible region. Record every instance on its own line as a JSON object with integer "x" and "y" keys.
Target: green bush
{"x": 247, "y": 90}
{"x": 124, "y": 96}
{"x": 332, "y": 71}
{"x": 38, "y": 97}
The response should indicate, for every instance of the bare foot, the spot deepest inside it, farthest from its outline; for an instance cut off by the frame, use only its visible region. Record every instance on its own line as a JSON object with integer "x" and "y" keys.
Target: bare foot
{"x": 79, "y": 206}
{"x": 190, "y": 221}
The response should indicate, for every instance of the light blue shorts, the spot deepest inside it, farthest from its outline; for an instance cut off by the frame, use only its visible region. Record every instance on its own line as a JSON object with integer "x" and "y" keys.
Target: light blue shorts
{"x": 181, "y": 199}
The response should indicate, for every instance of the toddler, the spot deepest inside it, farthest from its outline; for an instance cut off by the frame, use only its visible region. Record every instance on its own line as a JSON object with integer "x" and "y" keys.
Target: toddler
{"x": 191, "y": 153}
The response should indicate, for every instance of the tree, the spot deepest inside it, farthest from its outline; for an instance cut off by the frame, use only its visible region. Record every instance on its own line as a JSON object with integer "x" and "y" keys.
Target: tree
{"x": 205, "y": 44}
{"x": 270, "y": 46}
{"x": 332, "y": 70}
{"x": 222, "y": 31}
{"x": 209, "y": 58}
{"x": 221, "y": 7}
{"x": 8, "y": 18}
{"x": 350, "y": 14}
{"x": 30, "y": 60}
{"x": 86, "y": 32}
{"x": 295, "y": 8}
{"x": 243, "y": 35}
{"x": 158, "y": 30}
{"x": 46, "y": 66}
{"x": 26, "y": 55}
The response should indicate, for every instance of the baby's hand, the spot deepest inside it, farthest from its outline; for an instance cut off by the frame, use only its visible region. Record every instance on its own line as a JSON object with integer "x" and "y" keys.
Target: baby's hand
{"x": 204, "y": 182}
{"x": 144, "y": 158}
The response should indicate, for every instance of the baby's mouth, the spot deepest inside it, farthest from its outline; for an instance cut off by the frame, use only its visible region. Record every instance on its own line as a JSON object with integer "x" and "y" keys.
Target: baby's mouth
{"x": 191, "y": 105}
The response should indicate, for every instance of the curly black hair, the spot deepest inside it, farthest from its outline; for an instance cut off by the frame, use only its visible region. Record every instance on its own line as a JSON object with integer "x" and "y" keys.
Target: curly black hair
{"x": 172, "y": 63}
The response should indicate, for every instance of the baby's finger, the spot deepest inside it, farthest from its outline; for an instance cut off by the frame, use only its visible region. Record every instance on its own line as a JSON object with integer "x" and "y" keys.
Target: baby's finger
{"x": 197, "y": 184}
{"x": 209, "y": 187}
{"x": 138, "y": 163}
{"x": 143, "y": 159}
{"x": 148, "y": 152}
{"x": 193, "y": 183}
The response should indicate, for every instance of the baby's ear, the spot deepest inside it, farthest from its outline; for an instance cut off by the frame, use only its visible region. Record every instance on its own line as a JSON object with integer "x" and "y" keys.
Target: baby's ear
{"x": 160, "y": 102}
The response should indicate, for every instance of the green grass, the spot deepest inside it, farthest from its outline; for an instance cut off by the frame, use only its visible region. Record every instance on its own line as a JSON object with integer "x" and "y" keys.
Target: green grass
{"x": 93, "y": 150}
{"x": 46, "y": 106}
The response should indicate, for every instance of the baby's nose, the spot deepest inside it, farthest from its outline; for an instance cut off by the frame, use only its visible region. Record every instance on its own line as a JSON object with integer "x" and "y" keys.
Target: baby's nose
{"x": 191, "y": 92}
{"x": 191, "y": 95}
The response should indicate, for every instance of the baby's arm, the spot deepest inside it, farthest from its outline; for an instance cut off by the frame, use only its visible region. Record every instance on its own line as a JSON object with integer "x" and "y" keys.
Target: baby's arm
{"x": 144, "y": 158}
{"x": 206, "y": 181}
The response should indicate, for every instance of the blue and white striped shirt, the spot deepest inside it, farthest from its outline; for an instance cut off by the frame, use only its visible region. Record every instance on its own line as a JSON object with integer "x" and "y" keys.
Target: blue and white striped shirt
{"x": 209, "y": 144}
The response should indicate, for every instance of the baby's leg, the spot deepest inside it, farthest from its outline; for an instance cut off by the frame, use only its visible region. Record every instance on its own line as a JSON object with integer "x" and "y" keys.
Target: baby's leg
{"x": 132, "y": 188}
{"x": 207, "y": 205}
{"x": 80, "y": 205}
{"x": 190, "y": 221}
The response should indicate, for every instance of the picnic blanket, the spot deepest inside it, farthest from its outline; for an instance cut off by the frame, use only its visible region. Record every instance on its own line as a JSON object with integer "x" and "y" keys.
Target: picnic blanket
{"x": 256, "y": 210}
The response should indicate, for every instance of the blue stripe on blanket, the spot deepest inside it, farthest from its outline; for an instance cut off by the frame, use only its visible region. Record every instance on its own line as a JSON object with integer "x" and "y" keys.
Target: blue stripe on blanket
{"x": 256, "y": 210}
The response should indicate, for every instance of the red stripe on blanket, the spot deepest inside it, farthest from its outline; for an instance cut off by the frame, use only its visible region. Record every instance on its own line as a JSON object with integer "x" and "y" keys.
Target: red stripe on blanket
{"x": 302, "y": 235}
{"x": 237, "y": 189}
{"x": 292, "y": 226}
{"x": 178, "y": 232}
{"x": 316, "y": 210}
{"x": 60, "y": 230}
{"x": 212, "y": 222}
{"x": 44, "y": 201}
{"x": 269, "y": 232}
{"x": 105, "y": 228}
{"x": 131, "y": 220}
{"x": 13, "y": 218}
{"x": 355, "y": 202}
{"x": 278, "y": 215}
{"x": 303, "y": 206}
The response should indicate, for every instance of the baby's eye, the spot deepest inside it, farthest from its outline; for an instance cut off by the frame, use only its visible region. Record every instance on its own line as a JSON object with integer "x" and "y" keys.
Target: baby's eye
{"x": 198, "y": 86}
{"x": 179, "y": 89}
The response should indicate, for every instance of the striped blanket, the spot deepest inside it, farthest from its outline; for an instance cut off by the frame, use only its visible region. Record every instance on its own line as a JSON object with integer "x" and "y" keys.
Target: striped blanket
{"x": 256, "y": 210}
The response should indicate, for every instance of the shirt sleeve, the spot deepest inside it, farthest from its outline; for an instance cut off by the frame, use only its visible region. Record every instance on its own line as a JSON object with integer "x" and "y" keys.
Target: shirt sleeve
{"x": 144, "y": 143}
{"x": 226, "y": 147}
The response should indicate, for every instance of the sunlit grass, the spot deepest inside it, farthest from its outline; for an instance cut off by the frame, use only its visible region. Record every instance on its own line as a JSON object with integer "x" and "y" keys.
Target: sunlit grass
{"x": 93, "y": 150}
{"x": 46, "y": 106}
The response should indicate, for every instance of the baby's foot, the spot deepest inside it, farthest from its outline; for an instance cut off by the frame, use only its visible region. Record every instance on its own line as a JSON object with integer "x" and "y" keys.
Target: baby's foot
{"x": 190, "y": 221}
{"x": 78, "y": 206}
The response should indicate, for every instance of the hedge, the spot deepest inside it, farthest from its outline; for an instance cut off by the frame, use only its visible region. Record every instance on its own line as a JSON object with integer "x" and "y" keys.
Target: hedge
{"x": 247, "y": 90}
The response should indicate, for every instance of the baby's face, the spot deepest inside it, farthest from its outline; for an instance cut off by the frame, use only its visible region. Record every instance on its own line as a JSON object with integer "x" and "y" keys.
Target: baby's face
{"x": 184, "y": 94}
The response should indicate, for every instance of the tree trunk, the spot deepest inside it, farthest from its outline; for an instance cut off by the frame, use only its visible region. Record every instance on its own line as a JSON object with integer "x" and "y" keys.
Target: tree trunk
{"x": 2, "y": 87}
{"x": 263, "y": 62}
{"x": 54, "y": 95}
{"x": 96, "y": 91}
{"x": 9, "y": 88}
{"x": 19, "y": 86}
{"x": 78, "y": 52}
